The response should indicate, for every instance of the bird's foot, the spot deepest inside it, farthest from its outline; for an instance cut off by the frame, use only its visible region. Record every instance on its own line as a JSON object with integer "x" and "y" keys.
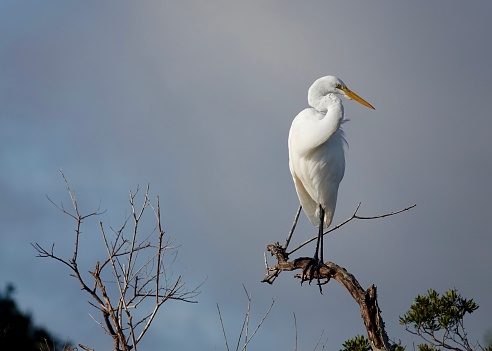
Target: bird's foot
{"x": 311, "y": 271}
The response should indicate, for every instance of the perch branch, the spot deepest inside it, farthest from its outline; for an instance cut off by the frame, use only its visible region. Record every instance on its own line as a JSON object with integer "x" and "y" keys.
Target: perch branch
{"x": 354, "y": 216}
{"x": 272, "y": 275}
{"x": 366, "y": 299}
{"x": 275, "y": 274}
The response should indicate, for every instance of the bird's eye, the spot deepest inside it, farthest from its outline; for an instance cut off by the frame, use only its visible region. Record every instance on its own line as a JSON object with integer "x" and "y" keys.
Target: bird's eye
{"x": 339, "y": 86}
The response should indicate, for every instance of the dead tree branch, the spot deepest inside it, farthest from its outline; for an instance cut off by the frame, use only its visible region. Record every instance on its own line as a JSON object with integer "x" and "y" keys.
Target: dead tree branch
{"x": 271, "y": 276}
{"x": 366, "y": 299}
{"x": 354, "y": 216}
{"x": 244, "y": 337}
{"x": 134, "y": 274}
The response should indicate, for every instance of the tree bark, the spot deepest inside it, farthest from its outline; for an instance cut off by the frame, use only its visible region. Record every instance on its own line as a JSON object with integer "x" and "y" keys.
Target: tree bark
{"x": 366, "y": 299}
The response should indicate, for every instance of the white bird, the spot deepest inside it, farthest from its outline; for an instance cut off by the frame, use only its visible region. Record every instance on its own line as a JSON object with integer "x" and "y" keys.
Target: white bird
{"x": 316, "y": 154}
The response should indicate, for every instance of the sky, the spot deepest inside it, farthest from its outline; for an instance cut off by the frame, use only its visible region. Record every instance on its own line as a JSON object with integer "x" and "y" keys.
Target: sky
{"x": 196, "y": 99}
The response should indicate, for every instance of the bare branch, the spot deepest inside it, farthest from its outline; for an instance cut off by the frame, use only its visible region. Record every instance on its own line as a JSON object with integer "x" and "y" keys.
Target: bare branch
{"x": 259, "y": 325}
{"x": 354, "y": 216}
{"x": 223, "y": 329}
{"x": 45, "y": 254}
{"x": 273, "y": 275}
{"x": 296, "y": 218}
{"x": 94, "y": 319}
{"x": 295, "y": 328}
{"x": 85, "y": 348}
{"x": 320, "y": 342}
{"x": 141, "y": 279}
{"x": 245, "y": 325}
{"x": 367, "y": 299}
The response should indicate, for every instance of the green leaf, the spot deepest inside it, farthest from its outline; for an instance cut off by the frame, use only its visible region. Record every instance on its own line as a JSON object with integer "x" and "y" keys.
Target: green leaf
{"x": 359, "y": 343}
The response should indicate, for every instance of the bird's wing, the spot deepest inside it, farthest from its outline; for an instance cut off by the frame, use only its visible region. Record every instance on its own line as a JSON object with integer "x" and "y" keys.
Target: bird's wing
{"x": 311, "y": 129}
{"x": 317, "y": 175}
{"x": 309, "y": 206}
{"x": 304, "y": 131}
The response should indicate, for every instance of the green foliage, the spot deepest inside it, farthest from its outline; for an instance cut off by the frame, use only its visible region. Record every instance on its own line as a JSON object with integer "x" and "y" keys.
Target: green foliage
{"x": 438, "y": 319}
{"x": 425, "y": 347}
{"x": 17, "y": 331}
{"x": 432, "y": 312}
{"x": 359, "y": 343}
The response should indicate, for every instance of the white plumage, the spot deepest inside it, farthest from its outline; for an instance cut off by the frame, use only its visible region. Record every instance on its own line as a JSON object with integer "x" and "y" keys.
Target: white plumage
{"x": 316, "y": 148}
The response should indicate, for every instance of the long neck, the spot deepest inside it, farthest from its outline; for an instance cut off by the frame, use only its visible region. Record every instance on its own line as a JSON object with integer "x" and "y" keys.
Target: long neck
{"x": 332, "y": 108}
{"x": 321, "y": 99}
{"x": 315, "y": 127}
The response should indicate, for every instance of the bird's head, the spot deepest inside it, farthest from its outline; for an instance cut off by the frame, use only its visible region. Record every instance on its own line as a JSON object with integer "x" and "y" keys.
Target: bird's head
{"x": 331, "y": 85}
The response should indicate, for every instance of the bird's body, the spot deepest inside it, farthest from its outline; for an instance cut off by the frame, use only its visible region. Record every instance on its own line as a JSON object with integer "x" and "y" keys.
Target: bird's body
{"x": 316, "y": 152}
{"x": 317, "y": 158}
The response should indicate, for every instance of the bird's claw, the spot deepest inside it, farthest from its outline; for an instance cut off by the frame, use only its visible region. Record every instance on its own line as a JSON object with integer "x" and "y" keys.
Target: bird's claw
{"x": 313, "y": 267}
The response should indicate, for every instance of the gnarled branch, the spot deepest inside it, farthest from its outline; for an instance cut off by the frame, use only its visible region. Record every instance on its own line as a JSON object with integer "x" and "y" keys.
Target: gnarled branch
{"x": 366, "y": 299}
{"x": 137, "y": 267}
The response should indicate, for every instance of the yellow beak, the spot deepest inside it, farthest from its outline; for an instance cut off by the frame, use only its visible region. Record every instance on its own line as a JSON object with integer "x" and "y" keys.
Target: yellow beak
{"x": 351, "y": 95}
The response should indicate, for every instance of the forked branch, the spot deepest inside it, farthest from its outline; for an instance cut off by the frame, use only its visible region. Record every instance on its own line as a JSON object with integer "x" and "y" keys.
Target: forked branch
{"x": 366, "y": 299}
{"x": 244, "y": 337}
{"x": 272, "y": 275}
{"x": 137, "y": 264}
{"x": 351, "y": 218}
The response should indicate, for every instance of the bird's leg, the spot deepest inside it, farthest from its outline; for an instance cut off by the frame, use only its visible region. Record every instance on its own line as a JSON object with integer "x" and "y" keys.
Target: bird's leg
{"x": 319, "y": 246}
{"x": 315, "y": 264}
{"x": 320, "y": 232}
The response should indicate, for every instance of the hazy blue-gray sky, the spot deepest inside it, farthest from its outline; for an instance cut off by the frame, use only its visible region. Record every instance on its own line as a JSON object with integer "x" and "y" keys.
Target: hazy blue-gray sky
{"x": 197, "y": 99}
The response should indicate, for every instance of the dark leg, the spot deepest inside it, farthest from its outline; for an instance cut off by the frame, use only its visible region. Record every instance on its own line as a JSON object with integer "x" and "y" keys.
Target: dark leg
{"x": 317, "y": 261}
{"x": 319, "y": 241}
{"x": 319, "y": 246}
{"x": 320, "y": 232}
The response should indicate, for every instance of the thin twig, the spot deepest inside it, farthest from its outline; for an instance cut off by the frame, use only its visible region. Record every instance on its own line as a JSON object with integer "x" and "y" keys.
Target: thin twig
{"x": 319, "y": 342}
{"x": 135, "y": 277}
{"x": 245, "y": 321}
{"x": 293, "y": 227}
{"x": 258, "y": 326}
{"x": 295, "y": 328}
{"x": 273, "y": 275}
{"x": 100, "y": 324}
{"x": 223, "y": 329}
{"x": 354, "y": 216}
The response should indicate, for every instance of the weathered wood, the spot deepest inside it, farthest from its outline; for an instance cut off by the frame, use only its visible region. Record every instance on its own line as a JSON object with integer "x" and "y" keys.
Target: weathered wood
{"x": 366, "y": 299}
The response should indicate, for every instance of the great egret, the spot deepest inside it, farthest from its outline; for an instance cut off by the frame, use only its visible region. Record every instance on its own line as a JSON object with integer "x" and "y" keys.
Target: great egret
{"x": 316, "y": 155}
